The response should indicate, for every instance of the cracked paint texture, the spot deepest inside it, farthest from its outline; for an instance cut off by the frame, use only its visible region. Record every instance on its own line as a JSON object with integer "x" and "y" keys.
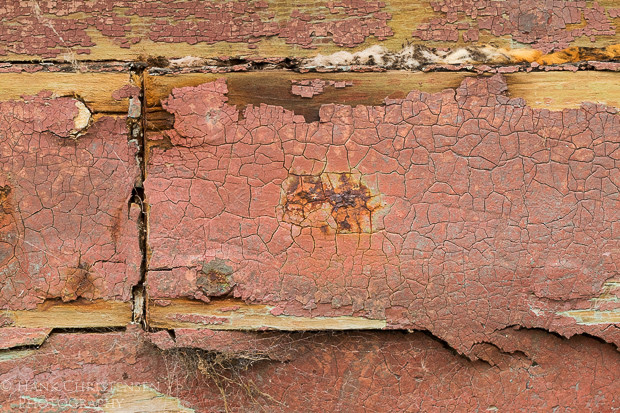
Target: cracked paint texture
{"x": 53, "y": 28}
{"x": 478, "y": 212}
{"x": 545, "y": 25}
{"x": 341, "y": 372}
{"x": 66, "y": 230}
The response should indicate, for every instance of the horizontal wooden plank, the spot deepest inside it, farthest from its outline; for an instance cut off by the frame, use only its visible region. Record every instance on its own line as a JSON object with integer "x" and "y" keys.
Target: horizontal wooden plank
{"x": 67, "y": 173}
{"x": 101, "y": 92}
{"x": 77, "y": 314}
{"x": 549, "y": 90}
{"x": 128, "y": 30}
{"x": 459, "y": 205}
{"x": 233, "y": 314}
{"x": 372, "y": 371}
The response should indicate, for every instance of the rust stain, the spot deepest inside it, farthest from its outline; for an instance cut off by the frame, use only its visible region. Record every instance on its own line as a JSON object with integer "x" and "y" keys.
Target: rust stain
{"x": 4, "y": 195}
{"x": 580, "y": 54}
{"x": 339, "y": 201}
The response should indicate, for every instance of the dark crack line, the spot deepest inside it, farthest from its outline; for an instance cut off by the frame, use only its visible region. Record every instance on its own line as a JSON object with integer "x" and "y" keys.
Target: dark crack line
{"x": 138, "y": 198}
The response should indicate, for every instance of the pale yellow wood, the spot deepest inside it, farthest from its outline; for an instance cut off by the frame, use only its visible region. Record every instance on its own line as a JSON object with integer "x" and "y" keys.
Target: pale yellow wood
{"x": 141, "y": 399}
{"x": 75, "y": 314}
{"x": 237, "y": 315}
{"x": 559, "y": 90}
{"x": 95, "y": 89}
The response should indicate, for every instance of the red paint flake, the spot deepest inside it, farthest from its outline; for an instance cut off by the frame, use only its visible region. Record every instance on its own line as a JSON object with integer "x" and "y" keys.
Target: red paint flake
{"x": 127, "y": 91}
{"x": 17, "y": 336}
{"x": 481, "y": 212}
{"x": 310, "y": 87}
{"x": 307, "y": 88}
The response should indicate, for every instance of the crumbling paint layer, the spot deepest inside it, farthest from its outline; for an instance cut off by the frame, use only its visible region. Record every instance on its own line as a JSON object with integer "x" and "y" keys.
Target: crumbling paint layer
{"x": 341, "y": 372}
{"x": 66, "y": 230}
{"x": 548, "y": 25}
{"x": 416, "y": 56}
{"x": 50, "y": 29}
{"x": 478, "y": 211}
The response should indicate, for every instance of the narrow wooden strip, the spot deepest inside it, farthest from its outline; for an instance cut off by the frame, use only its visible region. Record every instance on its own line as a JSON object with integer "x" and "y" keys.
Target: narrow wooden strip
{"x": 230, "y": 314}
{"x": 277, "y": 28}
{"x": 97, "y": 90}
{"x": 81, "y": 314}
{"x": 551, "y": 90}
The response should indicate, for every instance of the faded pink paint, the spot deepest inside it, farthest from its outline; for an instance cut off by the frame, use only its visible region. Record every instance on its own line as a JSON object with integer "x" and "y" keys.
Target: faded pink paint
{"x": 17, "y": 336}
{"x": 311, "y": 87}
{"x": 127, "y": 91}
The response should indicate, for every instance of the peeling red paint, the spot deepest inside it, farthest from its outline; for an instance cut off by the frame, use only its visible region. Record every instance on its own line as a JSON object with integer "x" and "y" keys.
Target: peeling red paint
{"x": 491, "y": 213}
{"x": 65, "y": 227}
{"x": 311, "y": 87}
{"x": 543, "y": 25}
{"x": 51, "y": 29}
{"x": 321, "y": 372}
{"x": 127, "y": 91}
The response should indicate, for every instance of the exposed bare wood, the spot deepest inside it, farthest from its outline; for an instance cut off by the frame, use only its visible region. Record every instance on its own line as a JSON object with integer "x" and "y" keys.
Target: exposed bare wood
{"x": 233, "y": 314}
{"x": 550, "y": 90}
{"x": 95, "y": 89}
{"x": 141, "y": 399}
{"x": 82, "y": 314}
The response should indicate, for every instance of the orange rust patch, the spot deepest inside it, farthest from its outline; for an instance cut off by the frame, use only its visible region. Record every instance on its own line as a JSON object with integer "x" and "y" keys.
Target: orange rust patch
{"x": 339, "y": 201}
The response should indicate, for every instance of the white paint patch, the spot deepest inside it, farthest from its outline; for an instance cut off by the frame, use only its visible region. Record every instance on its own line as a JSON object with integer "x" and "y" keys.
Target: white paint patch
{"x": 409, "y": 57}
{"x": 81, "y": 121}
{"x": 187, "y": 61}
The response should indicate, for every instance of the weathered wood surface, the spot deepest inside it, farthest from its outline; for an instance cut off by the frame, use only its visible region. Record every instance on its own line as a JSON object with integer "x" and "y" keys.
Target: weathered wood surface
{"x": 134, "y": 371}
{"x": 127, "y": 29}
{"x": 68, "y": 232}
{"x": 435, "y": 208}
{"x": 203, "y": 204}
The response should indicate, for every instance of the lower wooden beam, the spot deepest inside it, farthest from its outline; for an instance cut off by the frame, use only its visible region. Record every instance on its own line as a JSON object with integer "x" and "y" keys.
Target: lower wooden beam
{"x": 352, "y": 371}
